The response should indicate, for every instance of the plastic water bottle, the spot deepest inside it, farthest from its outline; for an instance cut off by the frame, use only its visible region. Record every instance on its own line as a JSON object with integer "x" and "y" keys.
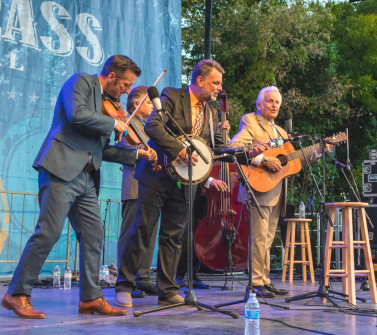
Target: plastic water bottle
{"x": 252, "y": 315}
{"x": 67, "y": 278}
{"x": 302, "y": 210}
{"x": 104, "y": 273}
{"x": 56, "y": 277}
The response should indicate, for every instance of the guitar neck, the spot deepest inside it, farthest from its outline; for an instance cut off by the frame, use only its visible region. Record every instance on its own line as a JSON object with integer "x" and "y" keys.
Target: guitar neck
{"x": 305, "y": 152}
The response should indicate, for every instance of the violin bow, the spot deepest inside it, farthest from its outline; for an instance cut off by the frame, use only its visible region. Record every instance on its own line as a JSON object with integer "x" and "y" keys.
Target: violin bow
{"x": 142, "y": 100}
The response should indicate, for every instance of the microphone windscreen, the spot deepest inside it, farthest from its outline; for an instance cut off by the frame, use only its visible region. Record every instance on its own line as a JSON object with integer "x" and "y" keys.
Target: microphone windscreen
{"x": 288, "y": 115}
{"x": 153, "y": 93}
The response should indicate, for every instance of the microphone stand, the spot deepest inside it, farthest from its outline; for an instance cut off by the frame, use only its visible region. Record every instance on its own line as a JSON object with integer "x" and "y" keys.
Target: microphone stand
{"x": 252, "y": 202}
{"x": 190, "y": 299}
{"x": 104, "y": 232}
{"x": 323, "y": 291}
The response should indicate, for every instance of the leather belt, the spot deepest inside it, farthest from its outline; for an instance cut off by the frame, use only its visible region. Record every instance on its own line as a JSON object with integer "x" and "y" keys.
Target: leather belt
{"x": 89, "y": 167}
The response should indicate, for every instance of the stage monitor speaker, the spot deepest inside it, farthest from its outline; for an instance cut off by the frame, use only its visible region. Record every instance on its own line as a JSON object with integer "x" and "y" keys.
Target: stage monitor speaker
{"x": 369, "y": 169}
{"x": 372, "y": 212}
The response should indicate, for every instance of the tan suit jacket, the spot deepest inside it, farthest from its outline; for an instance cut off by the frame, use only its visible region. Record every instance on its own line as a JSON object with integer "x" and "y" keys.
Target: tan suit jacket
{"x": 254, "y": 128}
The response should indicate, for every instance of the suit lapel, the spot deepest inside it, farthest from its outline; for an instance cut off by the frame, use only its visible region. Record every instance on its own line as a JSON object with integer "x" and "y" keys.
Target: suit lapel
{"x": 263, "y": 123}
{"x": 186, "y": 106}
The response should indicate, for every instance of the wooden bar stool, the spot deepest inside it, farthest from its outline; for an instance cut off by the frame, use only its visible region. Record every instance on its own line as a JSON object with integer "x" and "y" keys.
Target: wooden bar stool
{"x": 348, "y": 272}
{"x": 290, "y": 244}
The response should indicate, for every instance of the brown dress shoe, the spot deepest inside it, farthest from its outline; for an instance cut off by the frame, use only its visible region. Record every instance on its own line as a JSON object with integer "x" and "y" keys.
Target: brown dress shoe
{"x": 22, "y": 306}
{"x": 100, "y": 306}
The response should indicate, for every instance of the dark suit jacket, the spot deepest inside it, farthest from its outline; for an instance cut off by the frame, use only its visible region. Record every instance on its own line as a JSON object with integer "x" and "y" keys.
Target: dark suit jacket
{"x": 177, "y": 103}
{"x": 129, "y": 183}
{"x": 80, "y": 131}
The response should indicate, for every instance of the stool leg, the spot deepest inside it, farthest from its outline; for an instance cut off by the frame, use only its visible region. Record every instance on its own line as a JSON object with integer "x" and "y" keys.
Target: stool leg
{"x": 367, "y": 254}
{"x": 309, "y": 248}
{"x": 292, "y": 252}
{"x": 345, "y": 285}
{"x": 286, "y": 253}
{"x": 348, "y": 239}
{"x": 303, "y": 251}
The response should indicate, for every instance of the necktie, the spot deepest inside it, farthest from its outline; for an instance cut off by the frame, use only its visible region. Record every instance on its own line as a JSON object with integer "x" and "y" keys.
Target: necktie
{"x": 199, "y": 120}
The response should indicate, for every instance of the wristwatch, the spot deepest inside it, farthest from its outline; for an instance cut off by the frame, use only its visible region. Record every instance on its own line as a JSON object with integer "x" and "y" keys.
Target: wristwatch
{"x": 265, "y": 160}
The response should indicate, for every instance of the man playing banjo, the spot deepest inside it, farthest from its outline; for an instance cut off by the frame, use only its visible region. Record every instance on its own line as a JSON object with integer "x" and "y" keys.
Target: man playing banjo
{"x": 159, "y": 194}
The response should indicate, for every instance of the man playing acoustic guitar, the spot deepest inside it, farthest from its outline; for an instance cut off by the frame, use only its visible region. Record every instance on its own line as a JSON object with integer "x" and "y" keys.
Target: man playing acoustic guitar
{"x": 254, "y": 128}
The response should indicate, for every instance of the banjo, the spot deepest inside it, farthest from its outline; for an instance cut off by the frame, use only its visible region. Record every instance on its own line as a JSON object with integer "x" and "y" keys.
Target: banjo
{"x": 177, "y": 169}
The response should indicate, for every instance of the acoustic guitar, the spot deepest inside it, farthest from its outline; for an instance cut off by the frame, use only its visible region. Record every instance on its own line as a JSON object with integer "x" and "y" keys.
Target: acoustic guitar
{"x": 262, "y": 179}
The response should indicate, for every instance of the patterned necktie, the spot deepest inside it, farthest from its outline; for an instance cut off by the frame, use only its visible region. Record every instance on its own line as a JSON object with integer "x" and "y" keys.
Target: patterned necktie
{"x": 199, "y": 120}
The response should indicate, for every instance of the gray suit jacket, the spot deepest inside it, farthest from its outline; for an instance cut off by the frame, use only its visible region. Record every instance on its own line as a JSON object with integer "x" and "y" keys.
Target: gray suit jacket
{"x": 254, "y": 128}
{"x": 177, "y": 102}
{"x": 79, "y": 132}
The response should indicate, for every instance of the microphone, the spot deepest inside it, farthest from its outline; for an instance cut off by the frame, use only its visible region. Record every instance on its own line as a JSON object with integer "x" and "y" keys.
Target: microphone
{"x": 154, "y": 97}
{"x": 230, "y": 151}
{"x": 288, "y": 121}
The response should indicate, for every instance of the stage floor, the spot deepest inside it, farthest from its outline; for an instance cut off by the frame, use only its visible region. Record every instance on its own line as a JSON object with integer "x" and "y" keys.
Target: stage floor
{"x": 305, "y": 316}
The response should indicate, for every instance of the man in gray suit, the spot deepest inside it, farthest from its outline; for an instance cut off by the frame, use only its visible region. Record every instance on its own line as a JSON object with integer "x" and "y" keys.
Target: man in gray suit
{"x": 68, "y": 164}
{"x": 130, "y": 191}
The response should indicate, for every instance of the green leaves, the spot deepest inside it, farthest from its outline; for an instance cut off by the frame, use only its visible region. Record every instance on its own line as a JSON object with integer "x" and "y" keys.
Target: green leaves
{"x": 321, "y": 55}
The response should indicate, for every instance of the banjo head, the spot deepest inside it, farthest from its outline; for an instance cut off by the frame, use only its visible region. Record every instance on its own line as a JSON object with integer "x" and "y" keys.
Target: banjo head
{"x": 179, "y": 170}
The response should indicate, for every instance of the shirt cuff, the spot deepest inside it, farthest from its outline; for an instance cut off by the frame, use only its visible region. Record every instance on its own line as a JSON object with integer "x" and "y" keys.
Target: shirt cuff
{"x": 258, "y": 160}
{"x": 208, "y": 182}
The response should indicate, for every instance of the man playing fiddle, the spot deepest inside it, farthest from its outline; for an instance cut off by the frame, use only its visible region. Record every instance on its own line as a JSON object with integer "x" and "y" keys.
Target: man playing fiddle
{"x": 68, "y": 165}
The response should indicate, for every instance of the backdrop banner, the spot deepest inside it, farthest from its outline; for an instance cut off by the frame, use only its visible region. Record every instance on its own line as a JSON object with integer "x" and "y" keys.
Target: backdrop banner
{"x": 42, "y": 43}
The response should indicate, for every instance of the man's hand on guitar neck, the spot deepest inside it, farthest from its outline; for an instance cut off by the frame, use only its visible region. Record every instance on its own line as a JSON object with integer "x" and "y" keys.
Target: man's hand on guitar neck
{"x": 271, "y": 163}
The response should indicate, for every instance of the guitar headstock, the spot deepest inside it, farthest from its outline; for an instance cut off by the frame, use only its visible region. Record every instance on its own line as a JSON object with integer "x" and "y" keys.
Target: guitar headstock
{"x": 338, "y": 138}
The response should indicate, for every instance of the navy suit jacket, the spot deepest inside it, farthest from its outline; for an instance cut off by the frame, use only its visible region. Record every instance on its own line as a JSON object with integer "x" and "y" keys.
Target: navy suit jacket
{"x": 79, "y": 132}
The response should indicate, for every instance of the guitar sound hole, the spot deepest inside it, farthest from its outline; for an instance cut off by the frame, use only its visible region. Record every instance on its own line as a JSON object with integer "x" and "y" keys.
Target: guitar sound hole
{"x": 283, "y": 160}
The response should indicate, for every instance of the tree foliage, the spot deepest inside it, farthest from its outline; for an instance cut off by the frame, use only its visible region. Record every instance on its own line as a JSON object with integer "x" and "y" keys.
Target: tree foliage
{"x": 321, "y": 55}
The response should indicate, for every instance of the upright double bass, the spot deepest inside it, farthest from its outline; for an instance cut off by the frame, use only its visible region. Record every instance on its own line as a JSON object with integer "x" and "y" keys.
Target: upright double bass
{"x": 221, "y": 239}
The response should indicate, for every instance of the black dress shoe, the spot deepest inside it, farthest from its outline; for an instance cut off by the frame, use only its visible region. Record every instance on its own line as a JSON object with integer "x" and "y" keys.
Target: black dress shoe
{"x": 150, "y": 289}
{"x": 137, "y": 294}
{"x": 181, "y": 282}
{"x": 262, "y": 292}
{"x": 200, "y": 285}
{"x": 270, "y": 287}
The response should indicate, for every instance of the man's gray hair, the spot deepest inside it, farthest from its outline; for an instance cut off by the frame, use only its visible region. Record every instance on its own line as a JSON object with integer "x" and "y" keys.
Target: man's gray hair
{"x": 204, "y": 68}
{"x": 262, "y": 94}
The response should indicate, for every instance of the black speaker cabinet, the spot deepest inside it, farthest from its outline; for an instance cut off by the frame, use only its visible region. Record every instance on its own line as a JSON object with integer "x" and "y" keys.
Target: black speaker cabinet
{"x": 369, "y": 169}
{"x": 372, "y": 212}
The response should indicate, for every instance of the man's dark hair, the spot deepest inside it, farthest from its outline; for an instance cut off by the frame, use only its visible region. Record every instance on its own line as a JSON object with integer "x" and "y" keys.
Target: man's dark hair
{"x": 136, "y": 94}
{"x": 119, "y": 64}
{"x": 203, "y": 69}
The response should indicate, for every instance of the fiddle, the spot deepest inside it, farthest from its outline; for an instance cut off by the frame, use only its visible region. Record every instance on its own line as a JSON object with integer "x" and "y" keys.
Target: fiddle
{"x": 133, "y": 136}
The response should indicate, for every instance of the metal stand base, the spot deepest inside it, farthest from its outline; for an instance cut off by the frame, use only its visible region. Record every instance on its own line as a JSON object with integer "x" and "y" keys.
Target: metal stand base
{"x": 246, "y": 297}
{"x": 190, "y": 301}
{"x": 323, "y": 292}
